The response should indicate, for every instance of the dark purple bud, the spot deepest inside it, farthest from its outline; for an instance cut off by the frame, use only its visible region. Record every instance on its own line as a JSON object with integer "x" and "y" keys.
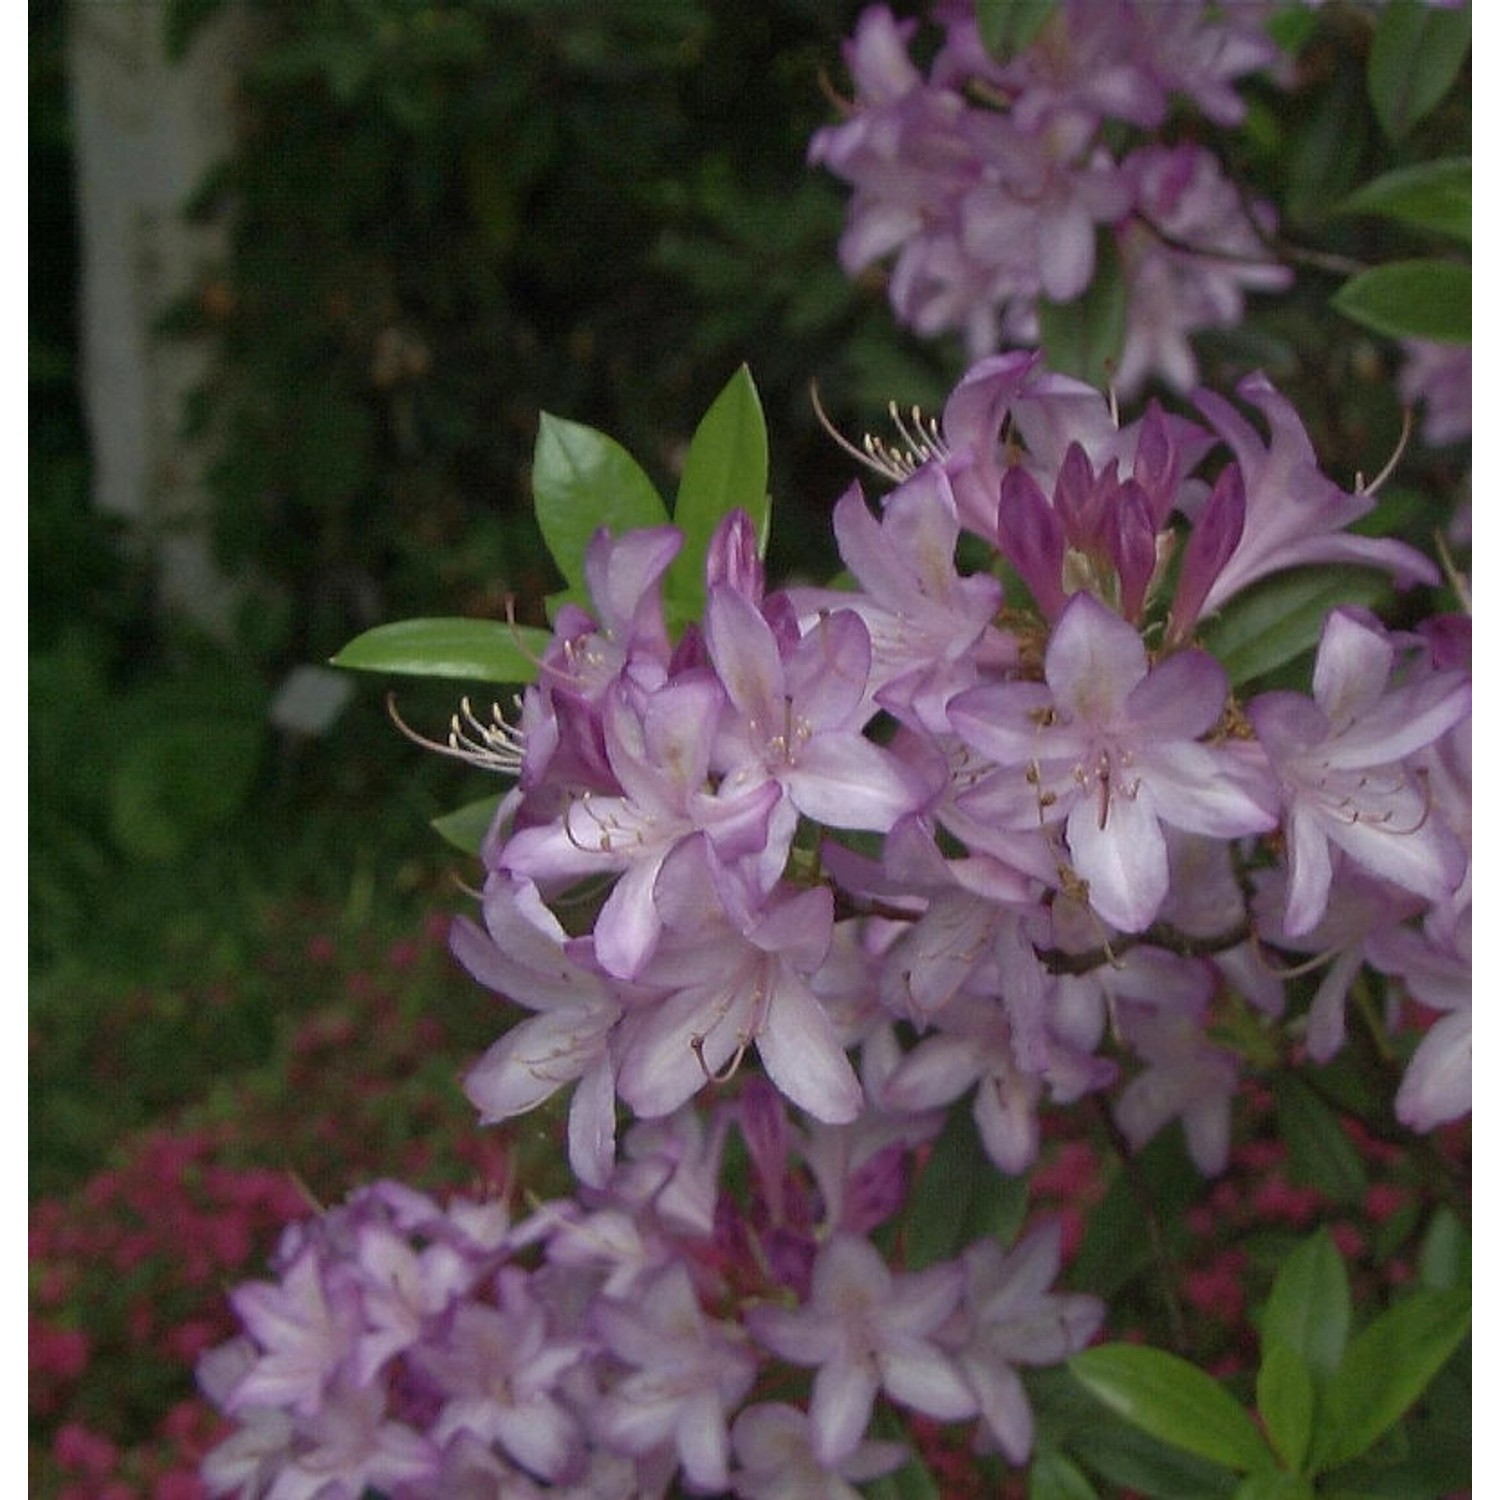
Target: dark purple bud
{"x": 1031, "y": 538}
{"x": 763, "y": 1125}
{"x": 1132, "y": 546}
{"x": 780, "y": 613}
{"x": 1156, "y": 464}
{"x": 734, "y": 557}
{"x": 1212, "y": 542}
{"x": 1074, "y": 497}
{"x": 690, "y": 653}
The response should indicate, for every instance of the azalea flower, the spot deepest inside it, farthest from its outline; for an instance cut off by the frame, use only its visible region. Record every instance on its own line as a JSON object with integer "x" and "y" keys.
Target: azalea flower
{"x": 733, "y": 973}
{"x": 1294, "y": 515}
{"x": 866, "y": 1328}
{"x": 1011, "y": 1318}
{"x": 686, "y": 1372}
{"x": 774, "y": 1445}
{"x": 1341, "y": 759}
{"x": 1111, "y": 747}
{"x": 522, "y": 952}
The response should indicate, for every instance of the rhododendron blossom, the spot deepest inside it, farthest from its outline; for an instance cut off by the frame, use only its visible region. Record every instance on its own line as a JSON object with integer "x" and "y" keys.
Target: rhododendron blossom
{"x": 788, "y": 884}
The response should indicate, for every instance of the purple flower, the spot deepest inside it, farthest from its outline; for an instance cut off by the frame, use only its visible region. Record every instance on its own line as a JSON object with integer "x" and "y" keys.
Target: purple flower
{"x": 497, "y": 1369}
{"x": 866, "y": 1328}
{"x": 1110, "y": 746}
{"x": 1189, "y": 254}
{"x": 523, "y": 954}
{"x": 931, "y": 629}
{"x": 1186, "y": 1077}
{"x": 685, "y": 1373}
{"x": 799, "y": 716}
{"x": 305, "y": 1327}
{"x": 1012, "y": 1318}
{"x": 774, "y": 1445}
{"x": 1294, "y": 517}
{"x": 1436, "y": 965}
{"x": 1341, "y": 758}
{"x": 1439, "y": 378}
{"x": 659, "y": 745}
{"x": 734, "y": 973}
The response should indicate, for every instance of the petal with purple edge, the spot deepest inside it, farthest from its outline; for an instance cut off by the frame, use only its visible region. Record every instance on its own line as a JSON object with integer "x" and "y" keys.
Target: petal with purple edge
{"x": 843, "y": 1399}
{"x": 1094, "y": 661}
{"x": 1438, "y": 1084}
{"x": 803, "y": 1056}
{"x": 1124, "y": 860}
{"x": 920, "y": 1376}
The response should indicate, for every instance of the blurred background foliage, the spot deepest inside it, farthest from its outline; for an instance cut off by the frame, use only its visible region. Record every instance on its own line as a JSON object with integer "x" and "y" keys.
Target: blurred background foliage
{"x": 444, "y": 219}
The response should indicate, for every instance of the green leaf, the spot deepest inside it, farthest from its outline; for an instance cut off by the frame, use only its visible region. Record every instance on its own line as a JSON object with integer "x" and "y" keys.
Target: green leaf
{"x": 1418, "y": 299}
{"x": 1445, "y": 1259}
{"x": 1007, "y": 26}
{"x": 1433, "y": 195}
{"x": 1387, "y": 1368}
{"x": 726, "y": 468}
{"x": 582, "y": 480}
{"x": 1055, "y": 1477}
{"x": 1321, "y": 1153}
{"x": 1308, "y": 1309}
{"x": 1273, "y": 1486}
{"x": 1323, "y": 156}
{"x": 466, "y": 826}
{"x": 1278, "y": 618}
{"x": 469, "y": 650}
{"x": 1085, "y": 337}
{"x": 1285, "y": 1399}
{"x": 1133, "y": 1460}
{"x": 960, "y": 1196}
{"x": 1415, "y": 57}
{"x": 1174, "y": 1401}
{"x": 177, "y": 780}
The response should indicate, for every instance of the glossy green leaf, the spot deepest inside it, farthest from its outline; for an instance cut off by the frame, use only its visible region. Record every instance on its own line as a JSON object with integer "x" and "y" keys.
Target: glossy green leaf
{"x": 1085, "y": 337}
{"x": 1129, "y": 1459}
{"x": 1321, "y": 1153}
{"x": 582, "y": 480}
{"x": 726, "y": 468}
{"x": 1285, "y": 1399}
{"x": 1006, "y": 26}
{"x": 1387, "y": 1368}
{"x": 1418, "y": 299}
{"x": 1174, "y": 1401}
{"x": 1308, "y": 1310}
{"x": 1432, "y": 195}
{"x": 1415, "y": 57}
{"x": 467, "y": 650}
{"x": 1053, "y": 1476}
{"x": 465, "y": 827}
{"x": 1277, "y": 619}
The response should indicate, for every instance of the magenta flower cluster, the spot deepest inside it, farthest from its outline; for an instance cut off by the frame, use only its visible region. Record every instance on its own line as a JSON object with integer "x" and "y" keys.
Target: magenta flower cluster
{"x": 1035, "y": 837}
{"x": 988, "y": 182}
{"x": 991, "y": 836}
{"x": 614, "y": 1342}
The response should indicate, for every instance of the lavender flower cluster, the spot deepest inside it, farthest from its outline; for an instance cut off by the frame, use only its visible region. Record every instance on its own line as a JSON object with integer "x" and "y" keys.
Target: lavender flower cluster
{"x": 989, "y": 180}
{"x": 614, "y": 1342}
{"x": 1030, "y": 835}
{"x": 1000, "y": 833}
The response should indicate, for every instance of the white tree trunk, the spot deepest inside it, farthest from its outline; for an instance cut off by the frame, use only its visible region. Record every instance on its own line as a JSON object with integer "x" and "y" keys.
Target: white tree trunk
{"x": 145, "y": 132}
